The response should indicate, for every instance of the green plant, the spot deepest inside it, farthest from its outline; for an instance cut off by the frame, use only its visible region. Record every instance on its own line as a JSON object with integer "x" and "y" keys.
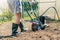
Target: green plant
{"x": 27, "y": 7}
{"x": 7, "y": 15}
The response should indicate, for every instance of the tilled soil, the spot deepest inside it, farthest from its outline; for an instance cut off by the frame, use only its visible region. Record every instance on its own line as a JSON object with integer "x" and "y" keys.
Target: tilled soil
{"x": 50, "y": 33}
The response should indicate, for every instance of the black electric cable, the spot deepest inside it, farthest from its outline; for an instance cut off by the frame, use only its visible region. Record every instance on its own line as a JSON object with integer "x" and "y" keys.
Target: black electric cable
{"x": 54, "y": 9}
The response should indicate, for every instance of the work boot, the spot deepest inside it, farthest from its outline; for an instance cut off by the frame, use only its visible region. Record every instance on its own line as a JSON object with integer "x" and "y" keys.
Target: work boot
{"x": 14, "y": 29}
{"x": 42, "y": 28}
{"x": 21, "y": 27}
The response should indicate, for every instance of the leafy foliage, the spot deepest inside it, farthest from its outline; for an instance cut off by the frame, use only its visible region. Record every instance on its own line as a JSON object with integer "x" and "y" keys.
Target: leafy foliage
{"x": 6, "y": 16}
{"x": 27, "y": 6}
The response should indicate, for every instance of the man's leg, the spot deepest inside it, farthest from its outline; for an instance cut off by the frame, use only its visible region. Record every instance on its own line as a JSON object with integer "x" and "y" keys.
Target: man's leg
{"x": 20, "y": 24}
{"x": 15, "y": 25}
{"x": 42, "y": 19}
{"x": 21, "y": 27}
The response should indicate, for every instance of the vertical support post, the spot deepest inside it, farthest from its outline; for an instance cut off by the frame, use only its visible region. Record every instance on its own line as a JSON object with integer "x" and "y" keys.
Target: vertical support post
{"x": 55, "y": 12}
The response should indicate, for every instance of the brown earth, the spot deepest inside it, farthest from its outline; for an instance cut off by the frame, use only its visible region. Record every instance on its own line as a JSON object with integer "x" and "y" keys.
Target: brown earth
{"x": 50, "y": 33}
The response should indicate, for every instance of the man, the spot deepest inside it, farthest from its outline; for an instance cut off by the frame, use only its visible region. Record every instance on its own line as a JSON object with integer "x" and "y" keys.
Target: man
{"x": 15, "y": 7}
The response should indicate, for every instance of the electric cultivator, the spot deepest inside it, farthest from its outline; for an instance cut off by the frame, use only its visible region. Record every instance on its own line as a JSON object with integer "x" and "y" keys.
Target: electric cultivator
{"x": 37, "y": 24}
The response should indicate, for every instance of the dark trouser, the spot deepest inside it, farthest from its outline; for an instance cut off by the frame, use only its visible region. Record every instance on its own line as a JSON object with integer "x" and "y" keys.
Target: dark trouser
{"x": 15, "y": 27}
{"x": 42, "y": 19}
